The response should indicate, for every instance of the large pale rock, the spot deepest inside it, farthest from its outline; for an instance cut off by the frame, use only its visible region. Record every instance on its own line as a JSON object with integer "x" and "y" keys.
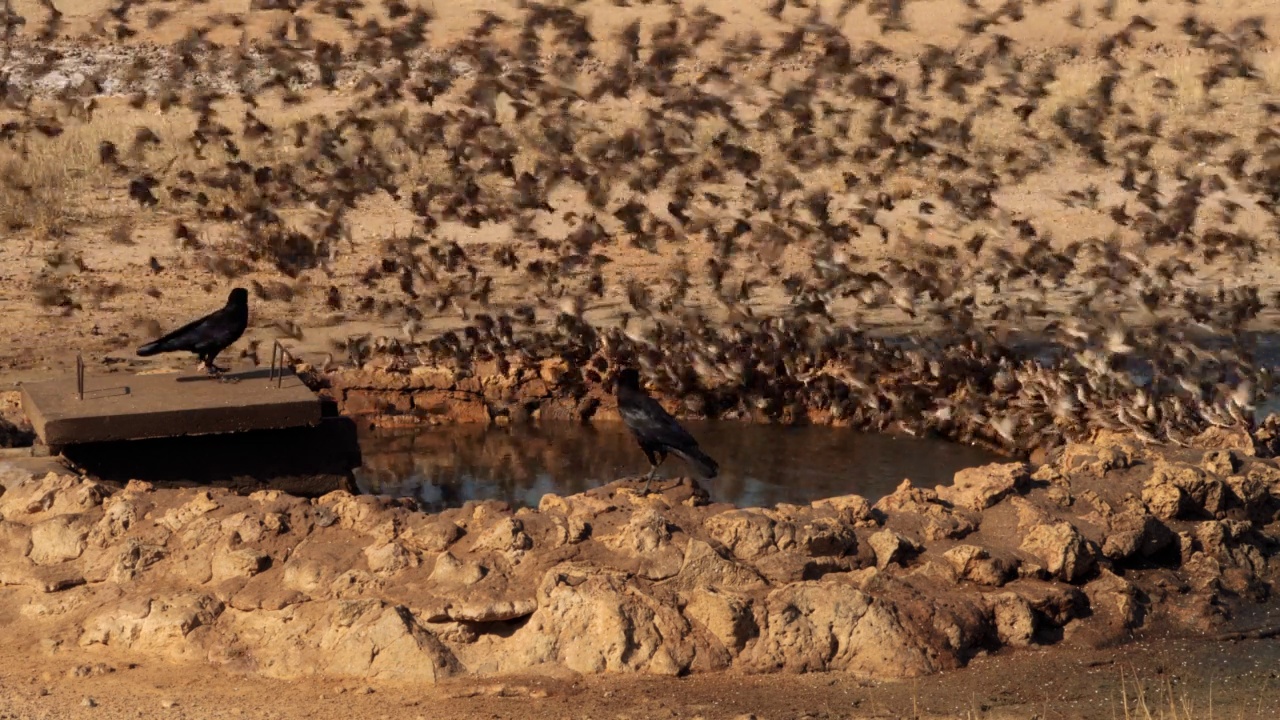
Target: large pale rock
{"x": 819, "y": 626}
{"x": 505, "y": 536}
{"x": 726, "y": 615}
{"x": 357, "y": 639}
{"x": 1062, "y": 550}
{"x": 646, "y": 541}
{"x": 1197, "y": 490}
{"x": 849, "y": 508}
{"x": 52, "y": 494}
{"x": 1095, "y": 459}
{"x": 1015, "y": 620}
{"x": 158, "y": 626}
{"x": 705, "y": 568}
{"x": 389, "y": 558}
{"x": 891, "y": 547}
{"x": 58, "y": 539}
{"x": 975, "y": 564}
{"x": 592, "y": 621}
{"x": 747, "y": 534}
{"x": 235, "y": 563}
{"x": 1133, "y": 536}
{"x": 940, "y": 522}
{"x": 199, "y": 506}
{"x": 427, "y": 534}
{"x": 1114, "y": 602}
{"x": 449, "y": 570}
{"x": 979, "y": 488}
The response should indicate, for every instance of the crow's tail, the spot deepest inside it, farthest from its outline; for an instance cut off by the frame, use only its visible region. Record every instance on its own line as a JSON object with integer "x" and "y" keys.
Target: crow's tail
{"x": 154, "y": 348}
{"x": 707, "y": 467}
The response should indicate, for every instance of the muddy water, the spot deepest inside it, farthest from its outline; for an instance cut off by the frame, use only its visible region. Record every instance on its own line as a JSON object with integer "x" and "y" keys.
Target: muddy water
{"x": 760, "y": 465}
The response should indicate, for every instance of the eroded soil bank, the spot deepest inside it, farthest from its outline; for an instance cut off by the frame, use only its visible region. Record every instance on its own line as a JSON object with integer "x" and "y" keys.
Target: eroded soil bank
{"x": 1107, "y": 540}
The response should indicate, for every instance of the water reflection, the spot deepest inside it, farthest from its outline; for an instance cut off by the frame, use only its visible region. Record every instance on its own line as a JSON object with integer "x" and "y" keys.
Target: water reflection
{"x": 760, "y": 465}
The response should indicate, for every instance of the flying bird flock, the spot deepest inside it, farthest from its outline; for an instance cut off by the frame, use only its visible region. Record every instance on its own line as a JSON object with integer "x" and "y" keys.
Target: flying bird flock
{"x": 780, "y": 219}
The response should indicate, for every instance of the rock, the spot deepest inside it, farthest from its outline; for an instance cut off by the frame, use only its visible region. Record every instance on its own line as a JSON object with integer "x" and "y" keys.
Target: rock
{"x": 15, "y": 539}
{"x": 496, "y": 611}
{"x": 505, "y": 536}
{"x": 1164, "y": 499}
{"x": 1220, "y": 462}
{"x": 974, "y": 564}
{"x": 1114, "y": 605}
{"x": 1198, "y": 488}
{"x": 158, "y": 626}
{"x": 449, "y": 570}
{"x": 1220, "y": 438}
{"x": 748, "y": 534}
{"x": 890, "y": 547}
{"x": 389, "y": 558}
{"x": 1062, "y": 550}
{"x": 57, "y": 540}
{"x": 1015, "y": 620}
{"x": 726, "y": 615}
{"x": 1054, "y": 603}
{"x": 552, "y": 371}
{"x": 852, "y": 509}
{"x": 940, "y": 521}
{"x": 705, "y": 568}
{"x": 240, "y": 563}
{"x": 826, "y": 536}
{"x": 427, "y": 534}
{"x": 363, "y": 639}
{"x": 1136, "y": 536}
{"x": 1096, "y": 459}
{"x": 647, "y": 544}
{"x": 981, "y": 487}
{"x": 200, "y": 505}
{"x": 592, "y": 621}
{"x": 827, "y": 626}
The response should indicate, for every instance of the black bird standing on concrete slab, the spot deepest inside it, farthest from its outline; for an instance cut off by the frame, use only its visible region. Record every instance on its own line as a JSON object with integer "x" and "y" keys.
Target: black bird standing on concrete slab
{"x": 209, "y": 335}
{"x": 657, "y": 432}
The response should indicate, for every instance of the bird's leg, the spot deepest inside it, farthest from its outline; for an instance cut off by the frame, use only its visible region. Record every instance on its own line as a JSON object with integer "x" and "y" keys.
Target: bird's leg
{"x": 653, "y": 470}
{"x": 214, "y": 368}
{"x": 214, "y": 371}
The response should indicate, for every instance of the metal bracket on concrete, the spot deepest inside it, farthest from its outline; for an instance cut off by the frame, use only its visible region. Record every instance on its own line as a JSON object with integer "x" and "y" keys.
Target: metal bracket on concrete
{"x": 279, "y": 352}
{"x": 80, "y": 375}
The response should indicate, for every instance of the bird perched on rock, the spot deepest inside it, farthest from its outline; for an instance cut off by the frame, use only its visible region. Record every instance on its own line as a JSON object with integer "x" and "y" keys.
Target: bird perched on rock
{"x": 657, "y": 432}
{"x": 209, "y": 335}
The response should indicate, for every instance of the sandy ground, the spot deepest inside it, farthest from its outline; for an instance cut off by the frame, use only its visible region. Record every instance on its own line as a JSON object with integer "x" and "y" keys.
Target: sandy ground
{"x": 88, "y": 208}
{"x": 1159, "y": 678}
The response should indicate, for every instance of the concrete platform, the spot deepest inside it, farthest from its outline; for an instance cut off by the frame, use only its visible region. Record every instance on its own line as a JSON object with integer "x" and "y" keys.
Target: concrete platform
{"x": 133, "y": 407}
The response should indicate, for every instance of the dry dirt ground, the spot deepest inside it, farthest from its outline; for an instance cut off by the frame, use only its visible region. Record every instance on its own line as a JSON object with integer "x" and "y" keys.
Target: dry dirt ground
{"x": 1158, "y": 679}
{"x": 71, "y": 206}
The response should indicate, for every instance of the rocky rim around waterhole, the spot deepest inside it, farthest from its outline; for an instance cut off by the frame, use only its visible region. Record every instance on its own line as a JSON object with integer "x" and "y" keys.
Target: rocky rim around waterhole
{"x": 1108, "y": 540}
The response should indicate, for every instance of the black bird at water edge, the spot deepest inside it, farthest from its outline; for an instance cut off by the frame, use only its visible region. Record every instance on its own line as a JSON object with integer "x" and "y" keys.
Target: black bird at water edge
{"x": 209, "y": 335}
{"x": 656, "y": 430}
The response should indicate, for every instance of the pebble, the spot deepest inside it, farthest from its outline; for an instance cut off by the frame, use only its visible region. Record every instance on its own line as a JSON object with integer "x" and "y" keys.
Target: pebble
{"x": 89, "y": 702}
{"x": 167, "y": 704}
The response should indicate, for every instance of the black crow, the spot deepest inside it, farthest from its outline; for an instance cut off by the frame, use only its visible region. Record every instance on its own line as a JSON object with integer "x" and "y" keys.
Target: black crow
{"x": 209, "y": 335}
{"x": 657, "y": 432}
